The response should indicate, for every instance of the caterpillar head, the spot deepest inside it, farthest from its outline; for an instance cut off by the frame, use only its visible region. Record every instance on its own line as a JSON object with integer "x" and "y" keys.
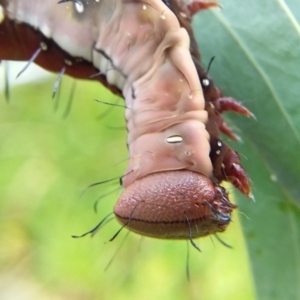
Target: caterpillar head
{"x": 174, "y": 205}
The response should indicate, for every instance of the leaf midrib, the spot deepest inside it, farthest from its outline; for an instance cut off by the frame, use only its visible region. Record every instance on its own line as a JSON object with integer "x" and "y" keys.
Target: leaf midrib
{"x": 260, "y": 71}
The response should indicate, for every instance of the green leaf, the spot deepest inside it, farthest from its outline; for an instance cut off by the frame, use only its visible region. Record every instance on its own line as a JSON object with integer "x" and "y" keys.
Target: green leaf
{"x": 257, "y": 49}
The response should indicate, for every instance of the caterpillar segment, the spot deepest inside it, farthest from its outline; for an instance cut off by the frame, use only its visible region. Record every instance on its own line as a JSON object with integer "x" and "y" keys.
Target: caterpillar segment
{"x": 144, "y": 51}
{"x": 226, "y": 162}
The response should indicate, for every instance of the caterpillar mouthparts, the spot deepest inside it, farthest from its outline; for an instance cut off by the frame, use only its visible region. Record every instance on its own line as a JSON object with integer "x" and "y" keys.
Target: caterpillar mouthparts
{"x": 174, "y": 205}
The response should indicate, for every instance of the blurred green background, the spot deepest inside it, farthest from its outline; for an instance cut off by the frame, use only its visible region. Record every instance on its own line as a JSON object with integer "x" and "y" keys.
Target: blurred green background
{"x": 46, "y": 162}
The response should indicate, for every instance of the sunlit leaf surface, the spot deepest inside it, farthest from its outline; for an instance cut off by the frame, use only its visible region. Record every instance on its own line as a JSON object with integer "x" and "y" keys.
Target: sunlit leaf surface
{"x": 257, "y": 45}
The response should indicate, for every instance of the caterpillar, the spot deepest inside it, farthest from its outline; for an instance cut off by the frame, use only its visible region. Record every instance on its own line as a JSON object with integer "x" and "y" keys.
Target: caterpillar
{"x": 144, "y": 51}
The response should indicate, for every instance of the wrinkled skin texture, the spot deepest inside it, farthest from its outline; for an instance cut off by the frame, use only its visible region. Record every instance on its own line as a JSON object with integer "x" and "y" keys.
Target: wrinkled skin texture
{"x": 146, "y": 52}
{"x": 180, "y": 205}
{"x": 143, "y": 52}
{"x": 226, "y": 162}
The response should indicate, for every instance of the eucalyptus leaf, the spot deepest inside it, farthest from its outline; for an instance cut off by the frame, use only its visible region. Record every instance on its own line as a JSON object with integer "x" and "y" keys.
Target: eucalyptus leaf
{"x": 257, "y": 49}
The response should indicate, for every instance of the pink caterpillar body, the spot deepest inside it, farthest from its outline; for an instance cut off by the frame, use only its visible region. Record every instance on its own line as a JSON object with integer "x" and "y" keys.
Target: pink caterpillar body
{"x": 142, "y": 51}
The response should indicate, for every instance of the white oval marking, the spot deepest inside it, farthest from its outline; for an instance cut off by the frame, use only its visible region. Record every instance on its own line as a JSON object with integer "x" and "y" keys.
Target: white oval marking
{"x": 206, "y": 82}
{"x": 43, "y": 46}
{"x": 68, "y": 62}
{"x": 79, "y": 7}
{"x": 162, "y": 16}
{"x": 174, "y": 139}
{"x": 219, "y": 143}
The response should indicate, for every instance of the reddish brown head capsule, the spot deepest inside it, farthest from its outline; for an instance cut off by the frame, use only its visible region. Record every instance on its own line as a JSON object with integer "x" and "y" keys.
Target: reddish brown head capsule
{"x": 174, "y": 205}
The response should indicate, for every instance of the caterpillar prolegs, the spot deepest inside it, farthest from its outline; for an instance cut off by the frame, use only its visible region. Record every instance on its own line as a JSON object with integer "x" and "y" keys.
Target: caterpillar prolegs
{"x": 144, "y": 51}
